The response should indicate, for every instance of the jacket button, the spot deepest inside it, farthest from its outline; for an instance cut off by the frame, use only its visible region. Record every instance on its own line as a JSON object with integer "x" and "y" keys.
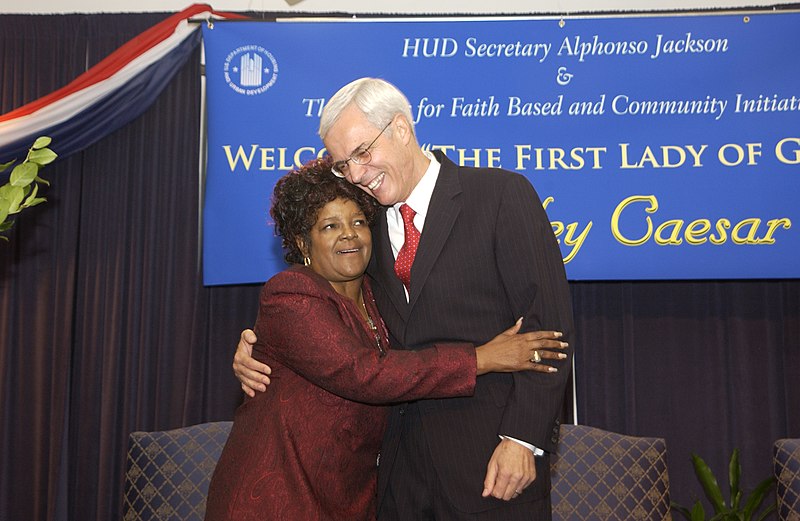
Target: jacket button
{"x": 402, "y": 411}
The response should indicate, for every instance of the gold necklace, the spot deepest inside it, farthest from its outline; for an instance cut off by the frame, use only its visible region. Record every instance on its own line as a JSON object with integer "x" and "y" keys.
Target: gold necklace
{"x": 373, "y": 327}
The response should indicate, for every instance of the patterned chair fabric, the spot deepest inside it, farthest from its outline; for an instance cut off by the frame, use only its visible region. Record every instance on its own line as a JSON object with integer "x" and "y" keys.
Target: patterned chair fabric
{"x": 786, "y": 462}
{"x": 604, "y": 476}
{"x": 596, "y": 475}
{"x": 168, "y": 472}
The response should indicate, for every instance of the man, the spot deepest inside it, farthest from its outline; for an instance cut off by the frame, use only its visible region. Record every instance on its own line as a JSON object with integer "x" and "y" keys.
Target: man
{"x": 486, "y": 255}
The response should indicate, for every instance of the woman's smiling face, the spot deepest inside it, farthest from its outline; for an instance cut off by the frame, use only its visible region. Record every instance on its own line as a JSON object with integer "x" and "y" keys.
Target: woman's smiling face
{"x": 341, "y": 243}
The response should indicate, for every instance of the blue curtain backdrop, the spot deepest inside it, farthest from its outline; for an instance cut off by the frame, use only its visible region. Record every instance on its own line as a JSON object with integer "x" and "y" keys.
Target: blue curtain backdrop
{"x": 105, "y": 326}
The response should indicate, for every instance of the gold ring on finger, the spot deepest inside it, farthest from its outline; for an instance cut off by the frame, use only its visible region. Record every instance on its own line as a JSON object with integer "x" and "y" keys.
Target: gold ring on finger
{"x": 536, "y": 357}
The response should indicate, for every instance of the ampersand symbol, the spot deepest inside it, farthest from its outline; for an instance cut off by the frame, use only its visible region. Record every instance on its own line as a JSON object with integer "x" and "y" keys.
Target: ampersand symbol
{"x": 563, "y": 77}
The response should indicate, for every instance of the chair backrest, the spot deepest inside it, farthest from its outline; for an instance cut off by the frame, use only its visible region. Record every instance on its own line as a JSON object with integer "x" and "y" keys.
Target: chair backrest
{"x": 596, "y": 474}
{"x": 786, "y": 464}
{"x": 168, "y": 472}
{"x": 601, "y": 475}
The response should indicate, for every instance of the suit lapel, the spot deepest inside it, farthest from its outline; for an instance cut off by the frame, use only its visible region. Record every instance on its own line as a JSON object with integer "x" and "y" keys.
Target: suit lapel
{"x": 443, "y": 210}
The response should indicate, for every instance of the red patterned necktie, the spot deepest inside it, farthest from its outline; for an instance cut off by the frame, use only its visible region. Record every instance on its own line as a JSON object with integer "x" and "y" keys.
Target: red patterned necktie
{"x": 405, "y": 258}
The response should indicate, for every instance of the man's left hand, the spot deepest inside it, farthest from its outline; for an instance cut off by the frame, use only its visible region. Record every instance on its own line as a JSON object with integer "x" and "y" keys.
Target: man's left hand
{"x": 511, "y": 470}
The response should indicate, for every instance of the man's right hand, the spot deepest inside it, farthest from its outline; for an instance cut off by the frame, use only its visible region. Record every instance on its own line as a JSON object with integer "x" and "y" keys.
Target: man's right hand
{"x": 250, "y": 372}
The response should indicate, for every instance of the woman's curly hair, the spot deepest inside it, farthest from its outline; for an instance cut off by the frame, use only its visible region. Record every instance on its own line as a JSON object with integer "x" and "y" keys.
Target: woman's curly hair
{"x": 300, "y": 195}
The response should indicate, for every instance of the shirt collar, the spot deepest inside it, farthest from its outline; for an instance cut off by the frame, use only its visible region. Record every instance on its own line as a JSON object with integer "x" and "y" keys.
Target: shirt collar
{"x": 420, "y": 197}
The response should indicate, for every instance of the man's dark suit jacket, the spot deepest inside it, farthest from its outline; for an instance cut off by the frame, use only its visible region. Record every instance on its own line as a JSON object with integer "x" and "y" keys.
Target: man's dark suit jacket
{"x": 487, "y": 256}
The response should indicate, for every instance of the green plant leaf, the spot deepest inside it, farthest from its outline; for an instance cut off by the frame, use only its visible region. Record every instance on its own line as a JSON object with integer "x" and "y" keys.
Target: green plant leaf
{"x": 681, "y": 510}
{"x": 767, "y": 511}
{"x": 698, "y": 512}
{"x": 4, "y": 206}
{"x": 734, "y": 475}
{"x": 31, "y": 193}
{"x": 42, "y": 157}
{"x": 4, "y": 166}
{"x": 41, "y": 142}
{"x": 22, "y": 189}
{"x": 709, "y": 483}
{"x": 757, "y": 496}
{"x": 14, "y": 195}
{"x": 737, "y": 500}
{"x": 32, "y": 200}
{"x": 23, "y": 174}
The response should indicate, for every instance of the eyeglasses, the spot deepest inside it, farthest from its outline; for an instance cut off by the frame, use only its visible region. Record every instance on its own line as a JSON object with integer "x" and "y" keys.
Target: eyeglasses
{"x": 362, "y": 156}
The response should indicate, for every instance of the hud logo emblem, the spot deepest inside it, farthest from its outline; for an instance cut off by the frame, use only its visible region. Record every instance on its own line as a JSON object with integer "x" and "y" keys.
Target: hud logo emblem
{"x": 250, "y": 70}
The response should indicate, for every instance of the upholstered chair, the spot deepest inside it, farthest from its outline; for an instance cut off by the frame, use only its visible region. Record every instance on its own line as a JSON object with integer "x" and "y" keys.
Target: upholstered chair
{"x": 786, "y": 463}
{"x": 596, "y": 475}
{"x": 605, "y": 476}
{"x": 168, "y": 472}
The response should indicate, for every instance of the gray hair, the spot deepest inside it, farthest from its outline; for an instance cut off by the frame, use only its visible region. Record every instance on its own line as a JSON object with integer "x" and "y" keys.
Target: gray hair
{"x": 378, "y": 99}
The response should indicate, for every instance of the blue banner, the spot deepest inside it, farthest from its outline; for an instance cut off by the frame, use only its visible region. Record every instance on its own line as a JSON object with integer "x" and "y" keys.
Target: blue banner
{"x": 663, "y": 147}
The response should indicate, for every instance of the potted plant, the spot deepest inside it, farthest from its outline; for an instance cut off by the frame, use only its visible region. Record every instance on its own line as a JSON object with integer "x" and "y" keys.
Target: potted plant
{"x": 22, "y": 188}
{"x": 736, "y": 507}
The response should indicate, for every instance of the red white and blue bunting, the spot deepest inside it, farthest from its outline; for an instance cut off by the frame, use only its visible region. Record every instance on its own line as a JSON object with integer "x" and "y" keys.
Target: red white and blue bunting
{"x": 109, "y": 95}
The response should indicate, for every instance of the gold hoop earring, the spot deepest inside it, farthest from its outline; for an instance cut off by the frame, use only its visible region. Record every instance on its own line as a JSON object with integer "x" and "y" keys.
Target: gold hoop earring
{"x": 306, "y": 261}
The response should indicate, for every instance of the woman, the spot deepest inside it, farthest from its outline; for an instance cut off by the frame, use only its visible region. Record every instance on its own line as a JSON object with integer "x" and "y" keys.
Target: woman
{"x": 307, "y": 449}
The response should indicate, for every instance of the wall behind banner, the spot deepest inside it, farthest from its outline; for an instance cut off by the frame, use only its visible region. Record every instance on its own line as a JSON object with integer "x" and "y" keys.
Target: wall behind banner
{"x": 655, "y": 156}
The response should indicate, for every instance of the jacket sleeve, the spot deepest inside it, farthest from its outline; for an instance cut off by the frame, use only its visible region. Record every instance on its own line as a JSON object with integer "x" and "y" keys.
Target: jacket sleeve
{"x": 315, "y": 336}
{"x": 535, "y": 281}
